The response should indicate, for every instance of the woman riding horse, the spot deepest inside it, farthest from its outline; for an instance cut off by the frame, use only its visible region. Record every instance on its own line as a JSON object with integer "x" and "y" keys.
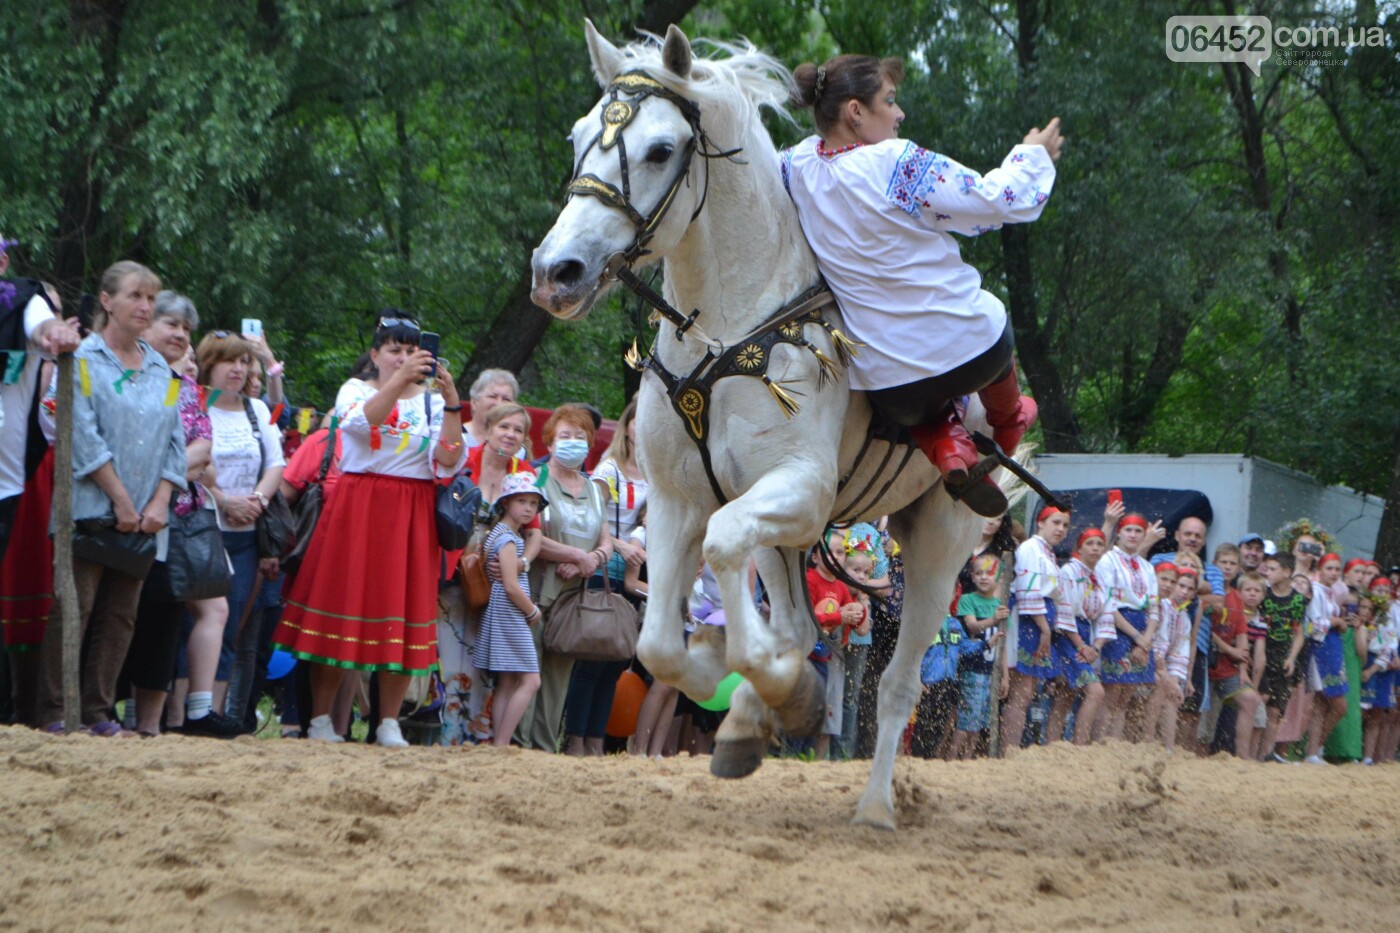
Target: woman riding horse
{"x": 878, "y": 212}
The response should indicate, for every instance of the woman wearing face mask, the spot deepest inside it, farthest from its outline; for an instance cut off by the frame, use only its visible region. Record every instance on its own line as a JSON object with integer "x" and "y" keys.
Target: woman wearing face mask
{"x": 575, "y": 544}
{"x": 365, "y": 597}
{"x": 504, "y": 431}
{"x": 1133, "y": 602}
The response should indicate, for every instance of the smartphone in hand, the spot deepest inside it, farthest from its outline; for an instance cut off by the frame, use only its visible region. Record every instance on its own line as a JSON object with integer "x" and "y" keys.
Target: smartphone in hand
{"x": 432, "y": 343}
{"x": 1115, "y": 496}
{"x": 252, "y": 327}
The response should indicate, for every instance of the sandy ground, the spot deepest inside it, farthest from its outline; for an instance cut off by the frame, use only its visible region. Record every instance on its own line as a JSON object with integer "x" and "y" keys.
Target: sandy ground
{"x": 176, "y": 833}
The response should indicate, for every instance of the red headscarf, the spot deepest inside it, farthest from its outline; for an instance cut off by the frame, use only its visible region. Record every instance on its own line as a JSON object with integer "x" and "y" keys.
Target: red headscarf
{"x": 1354, "y": 563}
{"x": 1132, "y": 518}
{"x": 1086, "y": 534}
{"x": 1048, "y": 511}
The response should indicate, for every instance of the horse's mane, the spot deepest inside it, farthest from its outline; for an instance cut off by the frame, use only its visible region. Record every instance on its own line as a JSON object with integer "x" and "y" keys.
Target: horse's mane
{"x": 731, "y": 90}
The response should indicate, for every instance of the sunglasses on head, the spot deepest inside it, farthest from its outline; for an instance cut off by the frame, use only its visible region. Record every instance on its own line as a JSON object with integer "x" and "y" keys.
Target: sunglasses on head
{"x": 221, "y": 334}
{"x": 398, "y": 322}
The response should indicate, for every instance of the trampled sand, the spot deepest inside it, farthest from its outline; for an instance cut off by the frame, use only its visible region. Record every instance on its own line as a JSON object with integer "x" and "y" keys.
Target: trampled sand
{"x": 174, "y": 833}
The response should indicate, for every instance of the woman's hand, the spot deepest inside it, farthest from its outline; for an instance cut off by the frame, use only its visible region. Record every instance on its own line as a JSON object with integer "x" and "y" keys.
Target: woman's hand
{"x": 1049, "y": 137}
{"x": 568, "y": 571}
{"x": 269, "y": 568}
{"x": 418, "y": 364}
{"x": 1138, "y": 656}
{"x": 587, "y": 563}
{"x": 128, "y": 519}
{"x": 1113, "y": 512}
{"x": 242, "y": 510}
{"x": 153, "y": 518}
{"x": 634, "y": 554}
{"x": 446, "y": 387}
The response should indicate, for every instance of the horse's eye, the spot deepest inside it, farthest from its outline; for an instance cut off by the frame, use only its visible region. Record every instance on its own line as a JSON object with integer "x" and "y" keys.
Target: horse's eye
{"x": 657, "y": 155}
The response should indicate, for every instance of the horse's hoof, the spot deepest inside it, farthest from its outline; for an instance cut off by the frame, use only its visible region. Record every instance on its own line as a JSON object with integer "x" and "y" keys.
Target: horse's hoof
{"x": 874, "y": 816}
{"x": 737, "y": 758}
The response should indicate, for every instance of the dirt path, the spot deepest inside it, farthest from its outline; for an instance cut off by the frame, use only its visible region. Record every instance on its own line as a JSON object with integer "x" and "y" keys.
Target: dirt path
{"x": 178, "y": 833}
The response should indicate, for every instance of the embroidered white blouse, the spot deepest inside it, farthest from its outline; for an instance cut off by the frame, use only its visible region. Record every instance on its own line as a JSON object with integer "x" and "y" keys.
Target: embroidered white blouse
{"x": 395, "y": 448}
{"x": 880, "y": 220}
{"x": 1082, "y": 596}
{"x": 1130, "y": 583}
{"x": 1037, "y": 577}
{"x": 1173, "y": 639}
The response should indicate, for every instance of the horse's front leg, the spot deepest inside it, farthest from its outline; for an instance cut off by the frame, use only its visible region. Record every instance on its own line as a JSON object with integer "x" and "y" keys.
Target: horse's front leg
{"x": 785, "y": 507}
{"x": 674, "y": 529}
{"x": 936, "y": 535}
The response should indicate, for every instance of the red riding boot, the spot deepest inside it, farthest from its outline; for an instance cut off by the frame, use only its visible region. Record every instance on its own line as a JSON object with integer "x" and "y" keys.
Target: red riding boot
{"x": 1008, "y": 412}
{"x": 949, "y": 447}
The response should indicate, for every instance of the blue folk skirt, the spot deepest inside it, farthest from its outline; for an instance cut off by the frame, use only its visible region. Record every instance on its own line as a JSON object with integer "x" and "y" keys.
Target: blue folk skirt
{"x": 1118, "y": 666}
{"x": 1076, "y": 672}
{"x": 1028, "y": 640}
{"x": 1331, "y": 665}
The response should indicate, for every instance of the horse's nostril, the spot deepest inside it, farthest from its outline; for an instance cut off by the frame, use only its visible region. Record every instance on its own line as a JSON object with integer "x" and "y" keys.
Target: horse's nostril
{"x": 567, "y": 272}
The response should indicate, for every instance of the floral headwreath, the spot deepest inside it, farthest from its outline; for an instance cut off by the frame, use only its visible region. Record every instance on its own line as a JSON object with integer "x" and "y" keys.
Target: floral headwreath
{"x": 855, "y": 545}
{"x": 1289, "y": 534}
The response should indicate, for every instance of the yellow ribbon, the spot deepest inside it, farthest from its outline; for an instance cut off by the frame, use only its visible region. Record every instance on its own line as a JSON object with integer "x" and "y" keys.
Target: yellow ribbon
{"x": 84, "y": 378}
{"x": 172, "y": 393}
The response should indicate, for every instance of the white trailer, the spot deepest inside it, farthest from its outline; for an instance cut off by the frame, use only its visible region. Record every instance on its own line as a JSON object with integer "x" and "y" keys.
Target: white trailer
{"x": 1247, "y": 494}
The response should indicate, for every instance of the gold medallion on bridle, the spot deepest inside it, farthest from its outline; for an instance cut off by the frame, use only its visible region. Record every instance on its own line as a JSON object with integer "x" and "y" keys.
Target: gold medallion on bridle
{"x": 750, "y": 358}
{"x": 615, "y": 116}
{"x": 791, "y": 330}
{"x": 692, "y": 405}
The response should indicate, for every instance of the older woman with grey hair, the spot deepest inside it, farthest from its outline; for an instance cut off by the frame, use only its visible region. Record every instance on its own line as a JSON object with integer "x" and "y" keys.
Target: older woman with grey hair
{"x": 160, "y": 620}
{"x": 490, "y": 389}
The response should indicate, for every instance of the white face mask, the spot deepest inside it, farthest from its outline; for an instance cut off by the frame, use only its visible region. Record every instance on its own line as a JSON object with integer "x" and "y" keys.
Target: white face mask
{"x": 571, "y": 452}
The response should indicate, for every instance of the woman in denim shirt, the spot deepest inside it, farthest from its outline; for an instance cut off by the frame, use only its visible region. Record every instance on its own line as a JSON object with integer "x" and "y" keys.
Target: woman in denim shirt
{"x": 128, "y": 458}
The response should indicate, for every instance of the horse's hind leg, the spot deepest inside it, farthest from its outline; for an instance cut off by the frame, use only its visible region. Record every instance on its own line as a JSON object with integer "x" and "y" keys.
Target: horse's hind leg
{"x": 936, "y": 535}
{"x": 782, "y": 689}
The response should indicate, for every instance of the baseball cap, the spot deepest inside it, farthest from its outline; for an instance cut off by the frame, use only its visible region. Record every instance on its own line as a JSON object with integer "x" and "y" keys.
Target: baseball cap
{"x": 1251, "y": 538}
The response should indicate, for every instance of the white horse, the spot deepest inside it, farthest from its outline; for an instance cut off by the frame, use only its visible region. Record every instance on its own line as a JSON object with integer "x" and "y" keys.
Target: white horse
{"x": 780, "y": 441}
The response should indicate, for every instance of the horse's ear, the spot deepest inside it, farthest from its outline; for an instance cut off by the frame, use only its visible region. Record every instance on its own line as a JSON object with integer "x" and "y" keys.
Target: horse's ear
{"x": 606, "y": 57}
{"x": 676, "y": 52}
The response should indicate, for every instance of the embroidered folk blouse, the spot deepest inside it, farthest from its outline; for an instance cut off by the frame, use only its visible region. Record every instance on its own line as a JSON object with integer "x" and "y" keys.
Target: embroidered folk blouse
{"x": 880, "y": 219}
{"x": 1037, "y": 577}
{"x": 1130, "y": 584}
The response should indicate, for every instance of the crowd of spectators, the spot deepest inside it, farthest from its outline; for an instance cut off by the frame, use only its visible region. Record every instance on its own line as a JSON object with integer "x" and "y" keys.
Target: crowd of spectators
{"x": 1273, "y": 654}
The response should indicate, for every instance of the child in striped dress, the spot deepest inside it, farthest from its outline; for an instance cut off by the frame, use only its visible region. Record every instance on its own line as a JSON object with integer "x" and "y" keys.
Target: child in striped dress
{"x": 505, "y": 647}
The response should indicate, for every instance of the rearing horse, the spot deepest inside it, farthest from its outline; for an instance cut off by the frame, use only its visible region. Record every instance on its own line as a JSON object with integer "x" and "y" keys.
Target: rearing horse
{"x": 749, "y": 436}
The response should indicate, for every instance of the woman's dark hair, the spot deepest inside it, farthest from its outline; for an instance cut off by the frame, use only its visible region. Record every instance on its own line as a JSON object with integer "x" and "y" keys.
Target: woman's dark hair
{"x": 397, "y": 326}
{"x": 826, "y": 88}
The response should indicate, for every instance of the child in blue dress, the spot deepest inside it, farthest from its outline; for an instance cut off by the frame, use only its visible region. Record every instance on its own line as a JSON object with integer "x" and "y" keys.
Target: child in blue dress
{"x": 505, "y": 647}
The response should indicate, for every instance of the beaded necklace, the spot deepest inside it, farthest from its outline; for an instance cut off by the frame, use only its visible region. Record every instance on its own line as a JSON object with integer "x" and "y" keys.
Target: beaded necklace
{"x": 833, "y": 153}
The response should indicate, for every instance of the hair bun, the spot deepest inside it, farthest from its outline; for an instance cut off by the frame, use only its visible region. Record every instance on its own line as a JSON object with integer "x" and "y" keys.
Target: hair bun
{"x": 804, "y": 79}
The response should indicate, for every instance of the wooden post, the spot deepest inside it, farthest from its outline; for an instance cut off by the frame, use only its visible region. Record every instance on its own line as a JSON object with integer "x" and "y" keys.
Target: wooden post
{"x": 65, "y": 589}
{"x": 994, "y": 726}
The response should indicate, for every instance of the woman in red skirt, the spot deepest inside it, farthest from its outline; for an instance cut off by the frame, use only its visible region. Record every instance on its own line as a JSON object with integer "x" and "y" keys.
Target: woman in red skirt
{"x": 365, "y": 597}
{"x": 26, "y": 588}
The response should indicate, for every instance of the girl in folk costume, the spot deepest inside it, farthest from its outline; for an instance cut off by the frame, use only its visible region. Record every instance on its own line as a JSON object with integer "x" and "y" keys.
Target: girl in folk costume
{"x": 1172, "y": 648}
{"x": 366, "y": 595}
{"x": 1036, "y": 588}
{"x": 1133, "y": 601}
{"x": 1080, "y": 628}
{"x": 879, "y": 212}
{"x": 1327, "y": 619}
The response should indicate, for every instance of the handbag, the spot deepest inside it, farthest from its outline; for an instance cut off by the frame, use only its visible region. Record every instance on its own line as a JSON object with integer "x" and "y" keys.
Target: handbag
{"x": 97, "y": 541}
{"x": 592, "y": 625}
{"x": 275, "y": 526}
{"x": 472, "y": 572}
{"x": 195, "y": 565}
{"x": 454, "y": 513}
{"x": 307, "y": 512}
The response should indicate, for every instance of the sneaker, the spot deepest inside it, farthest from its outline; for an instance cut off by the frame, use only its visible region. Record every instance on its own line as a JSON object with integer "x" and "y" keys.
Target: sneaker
{"x": 1367, "y": 762}
{"x": 1314, "y": 760}
{"x": 321, "y": 730}
{"x": 213, "y": 725}
{"x": 1278, "y": 759}
{"x": 389, "y": 736}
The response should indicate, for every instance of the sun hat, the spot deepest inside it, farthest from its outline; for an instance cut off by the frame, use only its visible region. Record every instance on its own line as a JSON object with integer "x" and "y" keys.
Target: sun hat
{"x": 519, "y": 484}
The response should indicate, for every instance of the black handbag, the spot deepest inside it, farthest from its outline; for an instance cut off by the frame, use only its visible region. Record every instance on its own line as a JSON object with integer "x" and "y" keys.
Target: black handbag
{"x": 307, "y": 511}
{"x": 275, "y": 526}
{"x": 457, "y": 503}
{"x": 97, "y": 541}
{"x": 196, "y": 566}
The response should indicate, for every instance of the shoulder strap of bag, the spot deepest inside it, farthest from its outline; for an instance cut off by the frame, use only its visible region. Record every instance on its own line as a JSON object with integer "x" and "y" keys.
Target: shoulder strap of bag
{"x": 257, "y": 434}
{"x": 326, "y": 458}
